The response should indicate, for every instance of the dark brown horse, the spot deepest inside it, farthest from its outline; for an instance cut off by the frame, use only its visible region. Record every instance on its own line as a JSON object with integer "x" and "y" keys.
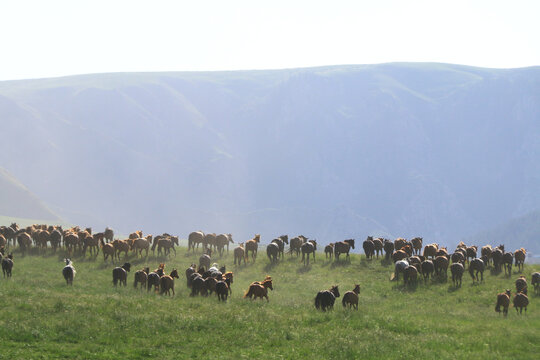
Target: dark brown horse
{"x": 120, "y": 274}
{"x": 239, "y": 254}
{"x": 141, "y": 276}
{"x": 343, "y": 247}
{"x": 519, "y": 256}
{"x": 307, "y": 248}
{"x": 281, "y": 241}
{"x": 325, "y": 299}
{"x": 503, "y": 300}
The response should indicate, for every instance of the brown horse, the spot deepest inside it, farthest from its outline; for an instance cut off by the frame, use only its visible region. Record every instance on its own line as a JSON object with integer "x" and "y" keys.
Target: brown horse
{"x": 223, "y": 240}
{"x": 329, "y": 250}
{"x": 343, "y": 247}
{"x": 325, "y": 299}
{"x": 431, "y": 250}
{"x": 417, "y": 245}
{"x": 280, "y": 242}
{"x": 141, "y": 276}
{"x": 307, "y": 248}
{"x": 295, "y": 243}
{"x": 139, "y": 245}
{"x": 503, "y": 300}
{"x": 108, "y": 250}
{"x": 259, "y": 290}
{"x": 521, "y": 301}
{"x": 351, "y": 298}
{"x": 194, "y": 239}
{"x": 378, "y": 246}
{"x": 166, "y": 283}
{"x": 252, "y": 245}
{"x": 519, "y": 256}
{"x": 239, "y": 254}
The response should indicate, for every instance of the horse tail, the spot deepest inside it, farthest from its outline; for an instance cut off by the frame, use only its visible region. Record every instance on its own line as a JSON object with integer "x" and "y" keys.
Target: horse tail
{"x": 317, "y": 301}
{"x": 498, "y": 307}
{"x": 343, "y": 301}
{"x": 471, "y": 271}
{"x": 248, "y": 293}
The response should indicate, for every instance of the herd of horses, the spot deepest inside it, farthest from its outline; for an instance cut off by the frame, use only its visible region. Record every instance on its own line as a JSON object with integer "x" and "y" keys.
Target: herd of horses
{"x": 411, "y": 259}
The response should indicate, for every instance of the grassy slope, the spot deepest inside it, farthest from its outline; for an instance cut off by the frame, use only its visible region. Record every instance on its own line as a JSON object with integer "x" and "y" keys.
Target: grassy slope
{"x": 42, "y": 318}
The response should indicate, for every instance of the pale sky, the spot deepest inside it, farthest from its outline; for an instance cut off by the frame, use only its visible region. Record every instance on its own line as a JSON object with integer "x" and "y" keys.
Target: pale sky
{"x": 49, "y": 38}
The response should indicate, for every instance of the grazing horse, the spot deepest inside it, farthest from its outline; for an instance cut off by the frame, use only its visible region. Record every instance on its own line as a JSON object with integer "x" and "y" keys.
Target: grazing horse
{"x": 7, "y": 265}
{"x": 308, "y": 247}
{"x": 325, "y": 299}
{"x": 141, "y": 276}
{"x": 388, "y": 249}
{"x": 329, "y": 250}
{"x": 521, "y": 301}
{"x": 69, "y": 272}
{"x": 259, "y": 290}
{"x": 166, "y": 283}
{"x": 519, "y": 256}
{"x": 351, "y": 298}
{"x": 503, "y": 300}
{"x": 272, "y": 251}
{"x": 120, "y": 274}
{"x": 507, "y": 260}
{"x": 223, "y": 288}
{"x": 457, "y": 271}
{"x": 239, "y": 254}
{"x": 343, "y": 247}
{"x": 417, "y": 245}
{"x": 195, "y": 238}
{"x": 281, "y": 241}
{"x": 252, "y": 245}
{"x": 476, "y": 266}
{"x": 369, "y": 247}
{"x": 399, "y": 267}
{"x": 378, "y": 246}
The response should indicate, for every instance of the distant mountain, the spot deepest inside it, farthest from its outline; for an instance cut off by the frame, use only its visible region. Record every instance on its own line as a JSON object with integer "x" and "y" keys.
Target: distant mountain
{"x": 521, "y": 232}
{"x": 18, "y": 201}
{"x": 433, "y": 150}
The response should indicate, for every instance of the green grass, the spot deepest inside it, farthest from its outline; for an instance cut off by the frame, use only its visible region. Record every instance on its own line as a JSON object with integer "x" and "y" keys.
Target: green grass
{"x": 43, "y": 318}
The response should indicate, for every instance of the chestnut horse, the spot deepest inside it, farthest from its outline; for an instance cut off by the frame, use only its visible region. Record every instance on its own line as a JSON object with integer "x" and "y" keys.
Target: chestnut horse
{"x": 259, "y": 290}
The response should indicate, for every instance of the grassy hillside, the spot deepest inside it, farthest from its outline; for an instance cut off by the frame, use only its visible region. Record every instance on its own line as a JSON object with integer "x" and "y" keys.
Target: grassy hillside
{"x": 43, "y": 318}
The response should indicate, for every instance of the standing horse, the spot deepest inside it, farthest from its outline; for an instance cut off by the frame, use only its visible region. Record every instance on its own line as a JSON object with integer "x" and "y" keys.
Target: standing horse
{"x": 272, "y": 251}
{"x": 329, "y": 250}
{"x": 308, "y": 247}
{"x": 296, "y": 243}
{"x": 507, "y": 260}
{"x": 519, "y": 256}
{"x": 120, "y": 274}
{"x": 69, "y": 272}
{"x": 194, "y": 239}
{"x": 503, "y": 299}
{"x": 7, "y": 265}
{"x": 141, "y": 276}
{"x": 343, "y": 247}
{"x": 476, "y": 266}
{"x": 388, "y": 249}
{"x": 457, "y": 271}
{"x": 417, "y": 245}
{"x": 536, "y": 282}
{"x": 369, "y": 247}
{"x": 351, "y": 298}
{"x": 378, "y": 246}
{"x": 325, "y": 299}
{"x": 281, "y": 241}
{"x": 239, "y": 254}
{"x": 223, "y": 288}
{"x": 252, "y": 245}
{"x": 166, "y": 283}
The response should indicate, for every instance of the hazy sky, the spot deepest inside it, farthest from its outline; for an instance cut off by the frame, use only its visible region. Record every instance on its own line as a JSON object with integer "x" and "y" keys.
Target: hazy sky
{"x": 55, "y": 38}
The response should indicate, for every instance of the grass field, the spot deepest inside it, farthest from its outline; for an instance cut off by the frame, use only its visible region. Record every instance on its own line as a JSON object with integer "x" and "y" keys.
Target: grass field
{"x": 42, "y": 318}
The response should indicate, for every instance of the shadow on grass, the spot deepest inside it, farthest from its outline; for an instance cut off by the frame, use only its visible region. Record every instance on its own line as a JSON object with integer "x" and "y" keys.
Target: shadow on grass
{"x": 340, "y": 263}
{"x": 410, "y": 287}
{"x": 270, "y": 266}
{"x": 386, "y": 262}
{"x": 303, "y": 269}
{"x": 453, "y": 288}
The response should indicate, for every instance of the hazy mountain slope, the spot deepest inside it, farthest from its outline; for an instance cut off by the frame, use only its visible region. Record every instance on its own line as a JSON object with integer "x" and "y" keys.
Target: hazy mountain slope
{"x": 17, "y": 200}
{"x": 523, "y": 231}
{"x": 436, "y": 150}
